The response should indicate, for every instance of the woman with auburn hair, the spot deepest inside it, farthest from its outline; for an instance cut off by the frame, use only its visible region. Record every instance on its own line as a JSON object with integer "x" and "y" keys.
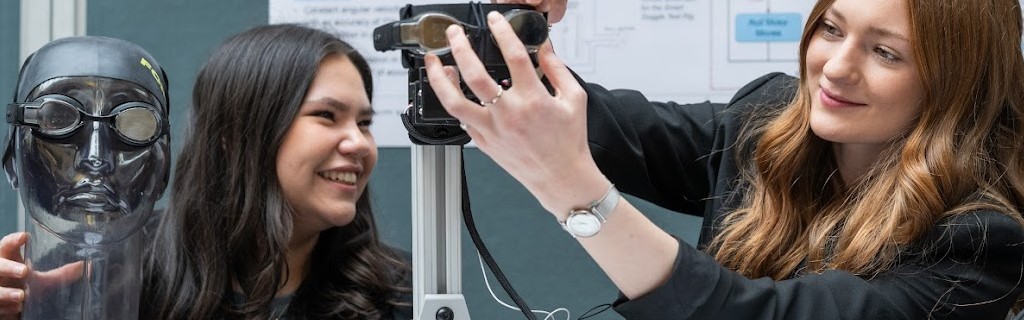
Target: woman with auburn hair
{"x": 886, "y": 182}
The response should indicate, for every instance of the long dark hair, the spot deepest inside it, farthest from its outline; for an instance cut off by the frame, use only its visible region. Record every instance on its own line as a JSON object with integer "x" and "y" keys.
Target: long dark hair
{"x": 227, "y": 219}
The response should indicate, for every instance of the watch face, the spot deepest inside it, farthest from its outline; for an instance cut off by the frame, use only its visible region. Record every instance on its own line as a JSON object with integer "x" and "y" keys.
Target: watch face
{"x": 583, "y": 224}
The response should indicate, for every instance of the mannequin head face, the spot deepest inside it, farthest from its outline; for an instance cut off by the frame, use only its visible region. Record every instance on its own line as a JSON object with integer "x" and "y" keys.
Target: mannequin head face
{"x": 91, "y": 185}
{"x": 90, "y": 154}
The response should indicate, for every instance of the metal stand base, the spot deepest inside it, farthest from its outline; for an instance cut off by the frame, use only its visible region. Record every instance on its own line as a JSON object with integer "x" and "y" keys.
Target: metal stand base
{"x": 436, "y": 233}
{"x": 447, "y": 306}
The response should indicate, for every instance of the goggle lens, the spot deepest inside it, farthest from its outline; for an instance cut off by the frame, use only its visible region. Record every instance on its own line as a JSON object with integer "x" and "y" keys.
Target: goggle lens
{"x": 432, "y": 32}
{"x": 530, "y": 26}
{"x": 137, "y": 123}
{"x": 57, "y": 117}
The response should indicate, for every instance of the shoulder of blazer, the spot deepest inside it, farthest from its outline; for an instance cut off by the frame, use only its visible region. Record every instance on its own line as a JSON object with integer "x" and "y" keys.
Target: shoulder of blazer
{"x": 772, "y": 88}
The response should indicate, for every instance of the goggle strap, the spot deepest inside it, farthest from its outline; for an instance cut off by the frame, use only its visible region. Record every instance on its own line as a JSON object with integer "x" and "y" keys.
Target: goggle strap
{"x": 16, "y": 113}
{"x": 12, "y": 113}
{"x": 386, "y": 35}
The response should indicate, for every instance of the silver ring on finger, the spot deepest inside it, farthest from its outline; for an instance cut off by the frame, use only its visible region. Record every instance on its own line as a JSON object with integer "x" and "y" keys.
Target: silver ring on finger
{"x": 501, "y": 90}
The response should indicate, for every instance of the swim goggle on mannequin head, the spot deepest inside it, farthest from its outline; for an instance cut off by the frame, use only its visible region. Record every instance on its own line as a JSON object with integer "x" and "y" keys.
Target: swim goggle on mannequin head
{"x": 425, "y": 32}
{"x": 88, "y": 145}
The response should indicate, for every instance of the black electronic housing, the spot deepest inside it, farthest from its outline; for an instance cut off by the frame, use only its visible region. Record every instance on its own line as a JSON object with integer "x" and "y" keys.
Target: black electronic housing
{"x": 426, "y": 119}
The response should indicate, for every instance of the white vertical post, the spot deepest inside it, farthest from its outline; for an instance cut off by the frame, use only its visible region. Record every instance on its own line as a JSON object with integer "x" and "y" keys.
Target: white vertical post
{"x": 43, "y": 21}
{"x": 436, "y": 233}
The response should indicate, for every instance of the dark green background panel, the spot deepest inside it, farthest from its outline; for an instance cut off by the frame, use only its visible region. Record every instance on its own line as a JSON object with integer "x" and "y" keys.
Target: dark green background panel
{"x": 180, "y": 34}
{"x": 10, "y": 62}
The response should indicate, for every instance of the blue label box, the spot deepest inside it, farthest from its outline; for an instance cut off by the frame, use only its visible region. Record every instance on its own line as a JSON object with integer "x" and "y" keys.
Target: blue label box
{"x": 768, "y": 27}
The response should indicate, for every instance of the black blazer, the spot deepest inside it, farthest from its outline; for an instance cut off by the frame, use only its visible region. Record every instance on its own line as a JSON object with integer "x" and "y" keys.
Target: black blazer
{"x": 681, "y": 157}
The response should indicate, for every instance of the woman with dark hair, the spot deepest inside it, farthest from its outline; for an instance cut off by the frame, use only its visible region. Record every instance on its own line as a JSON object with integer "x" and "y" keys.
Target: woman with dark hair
{"x": 270, "y": 214}
{"x": 270, "y": 211}
{"x": 886, "y": 182}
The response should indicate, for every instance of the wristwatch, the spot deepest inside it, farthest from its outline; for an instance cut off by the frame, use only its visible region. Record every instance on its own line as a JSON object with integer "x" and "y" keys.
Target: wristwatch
{"x": 586, "y": 222}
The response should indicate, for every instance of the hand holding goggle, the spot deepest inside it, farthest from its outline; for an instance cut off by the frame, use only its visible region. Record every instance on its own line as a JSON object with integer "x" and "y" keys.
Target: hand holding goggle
{"x": 425, "y": 33}
{"x": 56, "y": 116}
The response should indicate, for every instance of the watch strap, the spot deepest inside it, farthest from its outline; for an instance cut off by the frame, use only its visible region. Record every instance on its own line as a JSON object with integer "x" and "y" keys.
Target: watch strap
{"x": 600, "y": 209}
{"x": 603, "y": 207}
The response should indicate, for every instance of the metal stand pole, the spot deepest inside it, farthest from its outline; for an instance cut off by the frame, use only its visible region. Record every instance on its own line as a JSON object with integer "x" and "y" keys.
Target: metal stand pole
{"x": 436, "y": 233}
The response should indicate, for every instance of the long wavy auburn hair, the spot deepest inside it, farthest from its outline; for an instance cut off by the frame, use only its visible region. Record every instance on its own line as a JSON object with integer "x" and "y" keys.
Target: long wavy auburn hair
{"x": 962, "y": 153}
{"x": 228, "y": 222}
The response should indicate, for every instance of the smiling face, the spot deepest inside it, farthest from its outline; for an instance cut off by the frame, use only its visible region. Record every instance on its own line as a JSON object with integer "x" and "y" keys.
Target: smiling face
{"x": 325, "y": 160}
{"x": 861, "y": 73}
{"x": 90, "y": 187}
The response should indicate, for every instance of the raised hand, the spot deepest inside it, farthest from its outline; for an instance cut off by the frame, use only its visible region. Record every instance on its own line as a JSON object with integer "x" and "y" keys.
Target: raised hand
{"x": 539, "y": 138}
{"x": 14, "y": 273}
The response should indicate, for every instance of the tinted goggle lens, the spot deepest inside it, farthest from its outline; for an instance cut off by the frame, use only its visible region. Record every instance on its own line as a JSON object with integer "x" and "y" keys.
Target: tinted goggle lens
{"x": 137, "y": 123}
{"x": 530, "y": 26}
{"x": 430, "y": 31}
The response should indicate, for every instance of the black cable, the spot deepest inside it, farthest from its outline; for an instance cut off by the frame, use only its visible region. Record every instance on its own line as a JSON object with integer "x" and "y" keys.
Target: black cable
{"x": 603, "y": 307}
{"x": 467, "y": 217}
{"x": 484, "y": 34}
